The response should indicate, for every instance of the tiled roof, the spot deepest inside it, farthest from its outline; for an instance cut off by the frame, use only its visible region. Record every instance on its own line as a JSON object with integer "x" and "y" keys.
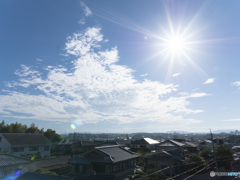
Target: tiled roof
{"x": 177, "y": 143}
{"x": 117, "y": 153}
{"x": 8, "y": 160}
{"x": 21, "y": 139}
{"x": 107, "y": 154}
{"x": 189, "y": 144}
{"x": 170, "y": 142}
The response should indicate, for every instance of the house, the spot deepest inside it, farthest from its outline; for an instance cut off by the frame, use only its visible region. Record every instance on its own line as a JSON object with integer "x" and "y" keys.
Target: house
{"x": 82, "y": 146}
{"x": 190, "y": 147}
{"x": 163, "y": 159}
{"x": 12, "y": 165}
{"x": 22, "y": 144}
{"x": 105, "y": 162}
{"x": 172, "y": 145}
{"x": 64, "y": 147}
{"x": 236, "y": 150}
{"x": 146, "y": 144}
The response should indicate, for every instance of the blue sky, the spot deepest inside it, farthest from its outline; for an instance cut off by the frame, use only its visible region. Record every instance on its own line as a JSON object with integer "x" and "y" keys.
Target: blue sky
{"x": 120, "y": 66}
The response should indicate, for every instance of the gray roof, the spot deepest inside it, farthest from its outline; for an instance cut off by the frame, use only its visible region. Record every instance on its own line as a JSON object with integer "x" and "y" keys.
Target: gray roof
{"x": 21, "y": 139}
{"x": 107, "y": 154}
{"x": 8, "y": 160}
{"x": 170, "y": 142}
{"x": 117, "y": 153}
{"x": 189, "y": 144}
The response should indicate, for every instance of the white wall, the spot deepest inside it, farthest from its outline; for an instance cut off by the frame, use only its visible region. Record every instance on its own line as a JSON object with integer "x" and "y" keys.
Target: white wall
{"x": 4, "y": 145}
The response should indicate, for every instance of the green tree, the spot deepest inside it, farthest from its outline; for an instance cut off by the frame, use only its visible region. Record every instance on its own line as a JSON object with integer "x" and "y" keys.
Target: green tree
{"x": 195, "y": 158}
{"x": 224, "y": 157}
{"x": 205, "y": 153}
{"x": 34, "y": 130}
{"x": 52, "y": 135}
{"x": 4, "y": 128}
{"x": 18, "y": 128}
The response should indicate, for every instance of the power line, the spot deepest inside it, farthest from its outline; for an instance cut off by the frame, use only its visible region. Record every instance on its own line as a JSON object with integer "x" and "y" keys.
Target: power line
{"x": 191, "y": 169}
{"x": 156, "y": 172}
{"x": 198, "y": 171}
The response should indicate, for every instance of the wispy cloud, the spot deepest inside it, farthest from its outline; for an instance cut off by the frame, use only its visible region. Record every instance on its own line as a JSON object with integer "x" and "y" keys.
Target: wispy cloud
{"x": 81, "y": 21}
{"x": 143, "y": 75}
{"x": 176, "y": 74}
{"x": 196, "y": 95}
{"x": 237, "y": 83}
{"x": 209, "y": 81}
{"x": 232, "y": 120}
{"x": 96, "y": 88}
{"x": 39, "y": 60}
{"x": 86, "y": 9}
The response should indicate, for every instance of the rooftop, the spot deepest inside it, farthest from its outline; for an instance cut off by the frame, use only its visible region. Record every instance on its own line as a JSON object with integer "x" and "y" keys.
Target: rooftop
{"x": 20, "y": 139}
{"x": 8, "y": 160}
{"x": 109, "y": 154}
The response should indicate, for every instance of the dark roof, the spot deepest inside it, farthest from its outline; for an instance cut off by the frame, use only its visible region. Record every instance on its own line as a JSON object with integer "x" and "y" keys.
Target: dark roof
{"x": 9, "y": 160}
{"x": 108, "y": 143}
{"x": 117, "y": 153}
{"x": 106, "y": 154}
{"x": 21, "y": 139}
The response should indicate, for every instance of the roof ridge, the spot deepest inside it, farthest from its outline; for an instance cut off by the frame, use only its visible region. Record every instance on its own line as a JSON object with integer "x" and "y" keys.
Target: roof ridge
{"x": 111, "y": 146}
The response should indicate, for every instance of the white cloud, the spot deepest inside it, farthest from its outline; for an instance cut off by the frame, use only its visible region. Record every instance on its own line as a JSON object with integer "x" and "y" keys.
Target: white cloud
{"x": 86, "y": 9}
{"x": 176, "y": 74}
{"x": 143, "y": 75}
{"x": 196, "y": 95}
{"x": 232, "y": 120}
{"x": 237, "y": 83}
{"x": 209, "y": 81}
{"x": 39, "y": 59}
{"x": 96, "y": 88}
{"x": 81, "y": 21}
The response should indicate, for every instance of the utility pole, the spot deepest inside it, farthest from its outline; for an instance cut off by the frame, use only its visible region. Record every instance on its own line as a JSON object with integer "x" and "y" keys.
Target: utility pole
{"x": 214, "y": 151}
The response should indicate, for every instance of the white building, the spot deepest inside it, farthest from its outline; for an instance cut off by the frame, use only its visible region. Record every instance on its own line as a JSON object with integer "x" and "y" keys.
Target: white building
{"x": 22, "y": 144}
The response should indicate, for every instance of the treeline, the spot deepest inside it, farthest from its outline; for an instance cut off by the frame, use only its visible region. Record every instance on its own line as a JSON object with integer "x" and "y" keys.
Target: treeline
{"x": 23, "y": 128}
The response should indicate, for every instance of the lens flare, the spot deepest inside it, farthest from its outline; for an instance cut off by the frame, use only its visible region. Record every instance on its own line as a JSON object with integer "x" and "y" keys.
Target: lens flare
{"x": 73, "y": 126}
{"x": 17, "y": 173}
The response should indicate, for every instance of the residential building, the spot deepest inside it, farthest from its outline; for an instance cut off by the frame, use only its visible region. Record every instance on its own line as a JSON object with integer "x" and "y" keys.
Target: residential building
{"x": 105, "y": 162}
{"x": 22, "y": 144}
{"x": 146, "y": 144}
{"x": 163, "y": 159}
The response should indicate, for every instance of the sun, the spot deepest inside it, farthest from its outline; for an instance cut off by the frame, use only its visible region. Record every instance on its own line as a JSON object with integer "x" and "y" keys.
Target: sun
{"x": 175, "y": 44}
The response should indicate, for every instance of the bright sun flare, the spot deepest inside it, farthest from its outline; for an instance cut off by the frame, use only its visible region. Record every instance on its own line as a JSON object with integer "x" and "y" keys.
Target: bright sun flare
{"x": 175, "y": 44}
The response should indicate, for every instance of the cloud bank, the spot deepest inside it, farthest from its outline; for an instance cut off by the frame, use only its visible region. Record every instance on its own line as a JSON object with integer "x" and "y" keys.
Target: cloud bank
{"x": 93, "y": 88}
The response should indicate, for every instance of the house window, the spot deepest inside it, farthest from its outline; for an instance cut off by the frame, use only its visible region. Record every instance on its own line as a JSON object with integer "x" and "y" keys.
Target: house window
{"x": 83, "y": 168}
{"x": 99, "y": 168}
{"x": 46, "y": 148}
{"x": 76, "y": 168}
{"x": 19, "y": 149}
{"x": 33, "y": 148}
{"x": 114, "y": 168}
